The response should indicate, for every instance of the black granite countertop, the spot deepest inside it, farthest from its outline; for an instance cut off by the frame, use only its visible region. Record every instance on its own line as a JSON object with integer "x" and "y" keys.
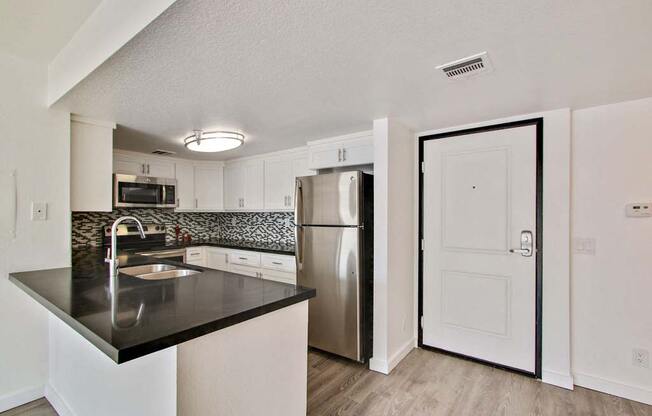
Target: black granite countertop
{"x": 173, "y": 310}
{"x": 263, "y": 247}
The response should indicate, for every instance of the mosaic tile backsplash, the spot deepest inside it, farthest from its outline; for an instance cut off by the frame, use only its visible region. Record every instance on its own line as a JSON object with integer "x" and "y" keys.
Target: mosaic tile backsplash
{"x": 275, "y": 227}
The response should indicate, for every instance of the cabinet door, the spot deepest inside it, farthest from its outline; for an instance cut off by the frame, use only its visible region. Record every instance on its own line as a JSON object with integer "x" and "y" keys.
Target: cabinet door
{"x": 324, "y": 156}
{"x": 217, "y": 258}
{"x": 208, "y": 187}
{"x": 253, "y": 187}
{"x": 358, "y": 152}
{"x": 278, "y": 181}
{"x": 129, "y": 165}
{"x": 234, "y": 180}
{"x": 185, "y": 175}
{"x": 299, "y": 168}
{"x": 277, "y": 276}
{"x": 159, "y": 168}
{"x": 245, "y": 270}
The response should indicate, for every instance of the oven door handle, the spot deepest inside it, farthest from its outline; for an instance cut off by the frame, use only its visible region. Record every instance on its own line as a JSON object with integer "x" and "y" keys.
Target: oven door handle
{"x": 164, "y": 254}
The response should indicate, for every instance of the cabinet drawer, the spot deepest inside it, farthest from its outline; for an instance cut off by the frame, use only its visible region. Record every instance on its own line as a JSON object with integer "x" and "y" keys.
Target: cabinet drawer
{"x": 245, "y": 270}
{"x": 194, "y": 253}
{"x": 247, "y": 258}
{"x": 278, "y": 262}
{"x": 283, "y": 277}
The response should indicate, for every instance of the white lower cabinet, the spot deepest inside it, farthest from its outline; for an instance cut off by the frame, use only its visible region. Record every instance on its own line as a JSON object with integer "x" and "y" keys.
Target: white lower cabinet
{"x": 283, "y": 277}
{"x": 277, "y": 267}
{"x": 245, "y": 270}
{"x": 217, "y": 258}
{"x": 196, "y": 256}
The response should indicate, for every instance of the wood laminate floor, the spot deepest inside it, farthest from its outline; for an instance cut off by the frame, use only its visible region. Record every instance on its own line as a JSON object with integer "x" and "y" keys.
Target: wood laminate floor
{"x": 432, "y": 384}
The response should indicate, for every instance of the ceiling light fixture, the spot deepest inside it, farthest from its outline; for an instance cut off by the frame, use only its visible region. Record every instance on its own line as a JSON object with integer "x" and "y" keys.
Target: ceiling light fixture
{"x": 213, "y": 141}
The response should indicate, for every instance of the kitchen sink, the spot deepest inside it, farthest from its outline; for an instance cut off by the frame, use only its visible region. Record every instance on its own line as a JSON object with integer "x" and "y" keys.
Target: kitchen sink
{"x": 157, "y": 271}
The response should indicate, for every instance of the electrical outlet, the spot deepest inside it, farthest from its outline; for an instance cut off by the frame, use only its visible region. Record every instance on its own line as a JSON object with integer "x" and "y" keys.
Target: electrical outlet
{"x": 234, "y": 222}
{"x": 584, "y": 246}
{"x": 641, "y": 358}
{"x": 287, "y": 223}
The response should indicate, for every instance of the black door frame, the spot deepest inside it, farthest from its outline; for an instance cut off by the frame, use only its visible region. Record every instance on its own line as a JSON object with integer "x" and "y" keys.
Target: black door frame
{"x": 538, "y": 122}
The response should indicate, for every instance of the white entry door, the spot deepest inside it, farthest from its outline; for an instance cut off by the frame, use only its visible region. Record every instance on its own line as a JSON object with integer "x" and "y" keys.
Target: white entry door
{"x": 479, "y": 201}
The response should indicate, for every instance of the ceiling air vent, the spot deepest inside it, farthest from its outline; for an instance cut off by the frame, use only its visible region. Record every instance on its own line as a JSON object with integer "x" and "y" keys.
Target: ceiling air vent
{"x": 162, "y": 152}
{"x": 467, "y": 67}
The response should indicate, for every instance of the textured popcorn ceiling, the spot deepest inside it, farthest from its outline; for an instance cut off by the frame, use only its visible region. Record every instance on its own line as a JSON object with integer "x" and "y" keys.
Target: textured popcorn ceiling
{"x": 38, "y": 29}
{"x": 284, "y": 72}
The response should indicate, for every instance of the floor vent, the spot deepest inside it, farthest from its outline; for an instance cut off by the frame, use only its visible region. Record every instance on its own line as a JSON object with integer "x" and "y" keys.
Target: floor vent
{"x": 467, "y": 67}
{"x": 162, "y": 152}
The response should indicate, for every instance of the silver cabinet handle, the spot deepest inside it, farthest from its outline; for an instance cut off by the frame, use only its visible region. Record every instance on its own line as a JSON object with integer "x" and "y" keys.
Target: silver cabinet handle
{"x": 142, "y": 168}
{"x": 177, "y": 202}
{"x": 242, "y": 258}
{"x": 277, "y": 263}
{"x": 148, "y": 168}
{"x": 343, "y": 155}
{"x": 195, "y": 254}
{"x": 339, "y": 155}
{"x": 196, "y": 203}
{"x": 526, "y": 244}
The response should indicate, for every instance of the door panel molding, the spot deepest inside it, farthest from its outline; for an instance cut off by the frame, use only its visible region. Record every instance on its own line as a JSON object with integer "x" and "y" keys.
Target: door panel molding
{"x": 538, "y": 123}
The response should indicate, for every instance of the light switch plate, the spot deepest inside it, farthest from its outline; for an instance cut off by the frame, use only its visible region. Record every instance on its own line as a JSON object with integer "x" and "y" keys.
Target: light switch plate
{"x": 39, "y": 211}
{"x": 639, "y": 209}
{"x": 584, "y": 246}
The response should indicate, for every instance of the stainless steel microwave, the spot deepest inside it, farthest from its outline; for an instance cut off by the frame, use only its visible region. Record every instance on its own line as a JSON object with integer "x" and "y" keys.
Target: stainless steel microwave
{"x": 131, "y": 191}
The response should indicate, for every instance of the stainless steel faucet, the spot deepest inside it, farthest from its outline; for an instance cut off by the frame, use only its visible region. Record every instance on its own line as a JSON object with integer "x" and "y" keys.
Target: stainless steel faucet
{"x": 112, "y": 256}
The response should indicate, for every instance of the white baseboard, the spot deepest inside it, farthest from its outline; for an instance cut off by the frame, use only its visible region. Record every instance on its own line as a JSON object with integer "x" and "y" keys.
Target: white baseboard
{"x": 386, "y": 366}
{"x": 57, "y": 401}
{"x": 20, "y": 397}
{"x": 615, "y": 388}
{"x": 557, "y": 379}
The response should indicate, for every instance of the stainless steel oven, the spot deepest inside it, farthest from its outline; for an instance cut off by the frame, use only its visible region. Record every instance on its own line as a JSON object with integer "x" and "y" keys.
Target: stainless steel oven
{"x": 132, "y": 191}
{"x": 172, "y": 255}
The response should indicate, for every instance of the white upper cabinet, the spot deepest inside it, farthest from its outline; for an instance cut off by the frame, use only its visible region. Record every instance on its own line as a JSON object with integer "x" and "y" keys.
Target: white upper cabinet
{"x": 91, "y": 146}
{"x": 160, "y": 168}
{"x": 208, "y": 187}
{"x": 199, "y": 186}
{"x": 185, "y": 174}
{"x": 234, "y": 180}
{"x": 254, "y": 184}
{"x": 280, "y": 176}
{"x": 142, "y": 165}
{"x": 349, "y": 150}
{"x": 278, "y": 183}
{"x": 243, "y": 185}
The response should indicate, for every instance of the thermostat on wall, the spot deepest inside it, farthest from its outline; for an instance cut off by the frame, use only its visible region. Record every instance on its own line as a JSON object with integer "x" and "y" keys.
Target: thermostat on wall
{"x": 639, "y": 209}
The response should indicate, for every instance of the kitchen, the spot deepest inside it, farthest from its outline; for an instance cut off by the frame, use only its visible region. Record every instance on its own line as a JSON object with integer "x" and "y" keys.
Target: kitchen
{"x": 206, "y": 216}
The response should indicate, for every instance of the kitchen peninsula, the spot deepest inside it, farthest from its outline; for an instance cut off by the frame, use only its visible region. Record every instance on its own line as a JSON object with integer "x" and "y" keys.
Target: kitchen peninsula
{"x": 210, "y": 343}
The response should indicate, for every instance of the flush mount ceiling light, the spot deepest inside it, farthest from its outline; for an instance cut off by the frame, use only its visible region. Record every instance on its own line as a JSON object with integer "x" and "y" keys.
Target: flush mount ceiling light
{"x": 213, "y": 141}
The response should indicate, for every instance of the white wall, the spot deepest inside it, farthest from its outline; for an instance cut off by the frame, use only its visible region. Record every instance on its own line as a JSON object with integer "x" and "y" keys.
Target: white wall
{"x": 35, "y": 141}
{"x": 556, "y": 236}
{"x": 394, "y": 243}
{"x": 612, "y": 290}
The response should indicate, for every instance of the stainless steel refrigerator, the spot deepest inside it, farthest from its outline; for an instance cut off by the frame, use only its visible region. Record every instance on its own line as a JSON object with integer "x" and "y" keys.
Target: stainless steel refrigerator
{"x": 334, "y": 252}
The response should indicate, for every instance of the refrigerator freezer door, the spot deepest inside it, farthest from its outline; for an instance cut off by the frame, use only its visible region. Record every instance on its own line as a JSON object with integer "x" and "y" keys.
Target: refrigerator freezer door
{"x": 330, "y": 199}
{"x": 328, "y": 260}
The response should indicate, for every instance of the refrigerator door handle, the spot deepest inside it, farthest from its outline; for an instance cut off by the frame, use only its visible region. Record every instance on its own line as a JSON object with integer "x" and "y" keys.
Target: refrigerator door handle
{"x": 298, "y": 236}
{"x": 298, "y": 203}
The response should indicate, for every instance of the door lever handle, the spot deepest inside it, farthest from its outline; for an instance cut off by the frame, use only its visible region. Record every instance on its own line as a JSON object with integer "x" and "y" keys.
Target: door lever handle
{"x": 527, "y": 241}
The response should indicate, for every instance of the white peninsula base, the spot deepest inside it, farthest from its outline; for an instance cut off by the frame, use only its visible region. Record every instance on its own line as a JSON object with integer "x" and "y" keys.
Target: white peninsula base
{"x": 257, "y": 367}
